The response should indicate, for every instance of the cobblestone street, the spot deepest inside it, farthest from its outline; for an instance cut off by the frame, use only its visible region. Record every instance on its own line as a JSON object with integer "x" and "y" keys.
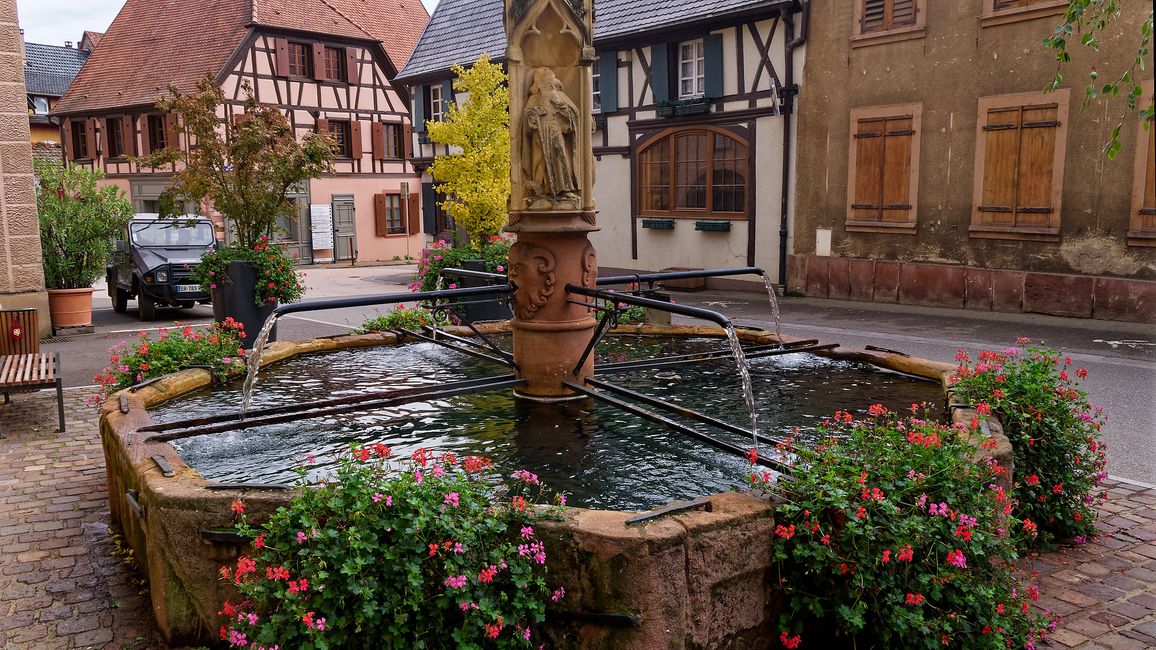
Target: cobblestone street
{"x": 62, "y": 584}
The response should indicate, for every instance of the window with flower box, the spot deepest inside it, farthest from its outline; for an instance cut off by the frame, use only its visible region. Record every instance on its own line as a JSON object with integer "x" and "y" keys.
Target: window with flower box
{"x": 695, "y": 172}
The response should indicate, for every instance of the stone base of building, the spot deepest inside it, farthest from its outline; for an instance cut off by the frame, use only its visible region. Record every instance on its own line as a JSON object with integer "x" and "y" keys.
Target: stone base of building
{"x": 972, "y": 288}
{"x": 37, "y": 300}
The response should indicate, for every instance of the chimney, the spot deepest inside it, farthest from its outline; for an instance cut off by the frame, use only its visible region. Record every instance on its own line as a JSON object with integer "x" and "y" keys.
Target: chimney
{"x": 67, "y": 43}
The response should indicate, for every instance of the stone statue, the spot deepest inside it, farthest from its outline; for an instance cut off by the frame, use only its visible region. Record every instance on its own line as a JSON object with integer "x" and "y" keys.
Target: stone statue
{"x": 550, "y": 128}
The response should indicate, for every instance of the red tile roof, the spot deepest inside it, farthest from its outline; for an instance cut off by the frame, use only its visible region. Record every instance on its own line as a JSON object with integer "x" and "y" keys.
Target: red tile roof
{"x": 154, "y": 43}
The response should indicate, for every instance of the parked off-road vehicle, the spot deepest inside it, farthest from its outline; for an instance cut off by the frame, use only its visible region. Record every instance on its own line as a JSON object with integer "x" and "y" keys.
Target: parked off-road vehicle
{"x": 154, "y": 263}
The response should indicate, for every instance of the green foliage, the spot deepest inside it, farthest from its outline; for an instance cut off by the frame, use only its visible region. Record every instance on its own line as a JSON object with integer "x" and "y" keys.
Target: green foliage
{"x": 495, "y": 251}
{"x": 476, "y": 177}
{"x": 216, "y": 348}
{"x": 420, "y": 554}
{"x": 243, "y": 167}
{"x": 1087, "y": 20}
{"x": 402, "y": 317}
{"x": 1059, "y": 456}
{"x": 78, "y": 223}
{"x": 277, "y": 279}
{"x": 893, "y": 536}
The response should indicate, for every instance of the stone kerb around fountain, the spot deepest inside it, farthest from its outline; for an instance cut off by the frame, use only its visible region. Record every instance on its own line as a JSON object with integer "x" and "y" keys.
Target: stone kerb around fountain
{"x": 699, "y": 578}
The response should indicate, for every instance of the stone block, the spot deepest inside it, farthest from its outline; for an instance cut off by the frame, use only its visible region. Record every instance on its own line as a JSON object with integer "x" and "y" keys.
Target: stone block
{"x": 797, "y": 274}
{"x": 1007, "y": 291}
{"x": 19, "y": 188}
{"x": 886, "y": 285}
{"x": 1058, "y": 294}
{"x": 931, "y": 285}
{"x": 818, "y": 269}
{"x": 862, "y": 279}
{"x": 839, "y": 278}
{"x": 1124, "y": 299}
{"x": 15, "y": 159}
{"x": 977, "y": 295}
{"x": 21, "y": 221}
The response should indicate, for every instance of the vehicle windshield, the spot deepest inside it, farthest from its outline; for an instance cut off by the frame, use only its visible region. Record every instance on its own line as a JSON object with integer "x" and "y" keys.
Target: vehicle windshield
{"x": 171, "y": 233}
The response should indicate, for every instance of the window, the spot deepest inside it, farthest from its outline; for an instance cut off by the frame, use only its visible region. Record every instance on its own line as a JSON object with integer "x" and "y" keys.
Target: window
{"x": 1019, "y": 166}
{"x": 691, "y": 69}
{"x": 114, "y": 137}
{"x": 596, "y": 87}
{"x": 299, "y": 60}
{"x": 40, "y": 105}
{"x": 339, "y": 129}
{"x": 883, "y": 168}
{"x": 1142, "y": 225}
{"x": 335, "y": 64}
{"x": 157, "y": 134}
{"x": 388, "y": 214}
{"x": 999, "y": 12}
{"x": 693, "y": 173}
{"x": 436, "y": 110}
{"x": 884, "y": 21}
{"x": 392, "y": 135}
{"x": 80, "y": 149}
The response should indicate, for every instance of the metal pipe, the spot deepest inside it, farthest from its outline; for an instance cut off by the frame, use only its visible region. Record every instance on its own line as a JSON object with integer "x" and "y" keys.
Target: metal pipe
{"x": 436, "y": 333}
{"x": 680, "y": 410}
{"x": 661, "y": 305}
{"x": 464, "y": 350}
{"x": 677, "y": 426}
{"x": 467, "y": 273}
{"x": 752, "y": 352}
{"x": 390, "y": 298}
{"x": 680, "y": 275}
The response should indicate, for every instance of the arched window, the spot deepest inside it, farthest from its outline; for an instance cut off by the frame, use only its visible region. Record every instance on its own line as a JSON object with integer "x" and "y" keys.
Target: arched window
{"x": 693, "y": 172}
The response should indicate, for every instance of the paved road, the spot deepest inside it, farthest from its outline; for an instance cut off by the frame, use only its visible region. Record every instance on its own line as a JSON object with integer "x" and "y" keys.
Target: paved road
{"x": 1120, "y": 357}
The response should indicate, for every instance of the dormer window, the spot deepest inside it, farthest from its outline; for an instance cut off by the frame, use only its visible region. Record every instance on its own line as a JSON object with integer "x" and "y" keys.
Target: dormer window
{"x": 335, "y": 64}
{"x": 691, "y": 69}
{"x": 40, "y": 105}
{"x": 436, "y": 106}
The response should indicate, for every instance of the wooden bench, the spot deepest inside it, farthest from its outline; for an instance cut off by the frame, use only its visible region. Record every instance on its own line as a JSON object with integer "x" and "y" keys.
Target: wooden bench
{"x": 22, "y": 365}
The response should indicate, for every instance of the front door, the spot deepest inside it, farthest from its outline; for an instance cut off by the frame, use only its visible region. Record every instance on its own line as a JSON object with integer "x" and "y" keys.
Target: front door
{"x": 294, "y": 234}
{"x": 344, "y": 231}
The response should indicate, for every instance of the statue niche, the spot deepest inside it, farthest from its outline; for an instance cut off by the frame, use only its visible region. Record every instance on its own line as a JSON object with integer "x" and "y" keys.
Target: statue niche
{"x": 549, "y": 145}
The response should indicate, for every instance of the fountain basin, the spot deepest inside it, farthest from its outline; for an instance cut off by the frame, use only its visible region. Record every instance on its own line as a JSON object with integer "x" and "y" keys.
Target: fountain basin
{"x": 696, "y": 578}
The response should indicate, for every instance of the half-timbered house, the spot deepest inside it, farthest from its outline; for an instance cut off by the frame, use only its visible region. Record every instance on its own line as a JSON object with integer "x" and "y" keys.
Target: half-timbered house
{"x": 328, "y": 64}
{"x": 692, "y": 103}
{"x": 940, "y": 173}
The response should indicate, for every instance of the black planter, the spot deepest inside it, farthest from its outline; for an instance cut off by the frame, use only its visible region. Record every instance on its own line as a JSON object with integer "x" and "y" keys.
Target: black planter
{"x": 233, "y": 296}
{"x": 478, "y": 311}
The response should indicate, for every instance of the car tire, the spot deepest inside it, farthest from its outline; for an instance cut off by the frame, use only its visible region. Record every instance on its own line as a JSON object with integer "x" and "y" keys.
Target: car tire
{"x": 188, "y": 304}
{"x": 148, "y": 309}
{"x": 120, "y": 301}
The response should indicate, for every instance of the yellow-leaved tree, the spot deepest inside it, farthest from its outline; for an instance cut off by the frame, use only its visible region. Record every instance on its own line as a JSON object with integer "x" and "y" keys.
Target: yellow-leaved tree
{"x": 475, "y": 177}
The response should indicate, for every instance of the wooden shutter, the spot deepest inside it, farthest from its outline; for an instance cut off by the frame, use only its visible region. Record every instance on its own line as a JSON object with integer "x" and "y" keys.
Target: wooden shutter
{"x": 380, "y": 215}
{"x": 874, "y": 16}
{"x": 104, "y": 137}
{"x": 429, "y": 208}
{"x": 902, "y": 13}
{"x": 172, "y": 131}
{"x": 322, "y": 125}
{"x": 352, "y": 67}
{"x": 447, "y": 97}
{"x": 407, "y": 143}
{"x": 377, "y": 140}
{"x": 355, "y": 147}
{"x": 128, "y": 135}
{"x": 608, "y": 80}
{"x": 420, "y": 97}
{"x": 660, "y": 72}
{"x": 869, "y": 150}
{"x": 319, "y": 61}
{"x": 90, "y": 137}
{"x": 1147, "y": 216}
{"x": 281, "y": 50}
{"x": 66, "y": 129}
{"x": 898, "y": 137}
{"x": 712, "y": 46}
{"x": 1038, "y": 130}
{"x": 146, "y": 145}
{"x": 411, "y": 213}
{"x": 1001, "y": 146}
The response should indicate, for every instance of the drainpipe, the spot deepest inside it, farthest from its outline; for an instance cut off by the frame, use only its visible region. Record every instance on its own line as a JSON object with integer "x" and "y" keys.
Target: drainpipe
{"x": 787, "y": 95}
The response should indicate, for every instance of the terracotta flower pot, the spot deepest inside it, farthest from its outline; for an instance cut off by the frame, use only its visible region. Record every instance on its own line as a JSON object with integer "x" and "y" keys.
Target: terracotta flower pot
{"x": 70, "y": 307}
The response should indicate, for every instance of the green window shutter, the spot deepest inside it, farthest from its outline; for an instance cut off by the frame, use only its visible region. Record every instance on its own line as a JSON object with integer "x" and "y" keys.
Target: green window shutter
{"x": 447, "y": 96}
{"x": 429, "y": 209}
{"x": 712, "y": 48}
{"x": 660, "y": 72}
{"x": 608, "y": 80}
{"x": 419, "y": 100}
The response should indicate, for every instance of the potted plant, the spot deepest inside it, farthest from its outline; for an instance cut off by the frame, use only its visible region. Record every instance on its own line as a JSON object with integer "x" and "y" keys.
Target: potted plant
{"x": 78, "y": 222}
{"x": 244, "y": 169}
{"x": 475, "y": 178}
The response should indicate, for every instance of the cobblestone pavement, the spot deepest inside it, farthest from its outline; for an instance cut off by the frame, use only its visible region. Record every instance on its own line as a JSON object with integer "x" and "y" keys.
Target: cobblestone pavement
{"x": 62, "y": 585}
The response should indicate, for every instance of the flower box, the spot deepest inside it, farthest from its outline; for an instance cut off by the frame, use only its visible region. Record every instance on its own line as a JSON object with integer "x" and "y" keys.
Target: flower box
{"x": 658, "y": 224}
{"x": 713, "y": 225}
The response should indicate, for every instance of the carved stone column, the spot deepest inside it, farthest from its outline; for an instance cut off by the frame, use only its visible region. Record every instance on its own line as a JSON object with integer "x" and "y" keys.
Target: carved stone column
{"x": 549, "y": 53}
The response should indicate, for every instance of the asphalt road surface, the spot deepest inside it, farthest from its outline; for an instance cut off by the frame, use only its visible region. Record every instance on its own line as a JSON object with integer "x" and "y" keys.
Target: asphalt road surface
{"x": 1120, "y": 357}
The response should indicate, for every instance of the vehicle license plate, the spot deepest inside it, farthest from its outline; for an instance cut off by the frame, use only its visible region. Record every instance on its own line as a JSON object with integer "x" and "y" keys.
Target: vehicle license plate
{"x": 188, "y": 288}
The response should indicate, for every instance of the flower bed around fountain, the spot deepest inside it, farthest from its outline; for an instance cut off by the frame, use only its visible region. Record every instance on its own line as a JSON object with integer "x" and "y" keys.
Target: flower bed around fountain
{"x": 691, "y": 579}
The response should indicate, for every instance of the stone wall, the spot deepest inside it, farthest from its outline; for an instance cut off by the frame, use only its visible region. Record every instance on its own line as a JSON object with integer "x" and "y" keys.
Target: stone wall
{"x": 21, "y": 273}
